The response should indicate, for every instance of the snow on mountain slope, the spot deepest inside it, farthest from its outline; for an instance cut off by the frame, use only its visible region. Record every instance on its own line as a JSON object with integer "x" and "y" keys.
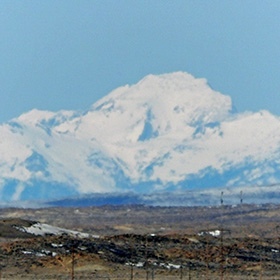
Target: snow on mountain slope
{"x": 169, "y": 131}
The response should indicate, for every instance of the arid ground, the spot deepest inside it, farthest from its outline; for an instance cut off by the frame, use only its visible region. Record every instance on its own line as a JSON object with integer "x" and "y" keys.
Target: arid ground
{"x": 143, "y": 242}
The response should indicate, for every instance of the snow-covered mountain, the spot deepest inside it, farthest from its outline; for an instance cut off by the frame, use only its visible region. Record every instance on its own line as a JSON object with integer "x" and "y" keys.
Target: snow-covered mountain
{"x": 167, "y": 132}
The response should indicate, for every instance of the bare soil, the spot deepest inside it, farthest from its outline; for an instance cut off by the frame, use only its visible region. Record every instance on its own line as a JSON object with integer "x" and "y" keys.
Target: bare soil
{"x": 140, "y": 242}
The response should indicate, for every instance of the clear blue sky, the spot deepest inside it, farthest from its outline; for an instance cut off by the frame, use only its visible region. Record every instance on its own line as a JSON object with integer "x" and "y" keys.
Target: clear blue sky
{"x": 66, "y": 54}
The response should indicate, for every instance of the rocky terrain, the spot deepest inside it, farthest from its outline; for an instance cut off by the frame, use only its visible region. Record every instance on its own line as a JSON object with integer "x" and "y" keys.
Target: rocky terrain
{"x": 140, "y": 242}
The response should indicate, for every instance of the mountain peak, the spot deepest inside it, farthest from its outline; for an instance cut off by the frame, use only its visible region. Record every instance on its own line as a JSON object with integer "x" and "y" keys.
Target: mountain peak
{"x": 166, "y": 101}
{"x": 169, "y": 131}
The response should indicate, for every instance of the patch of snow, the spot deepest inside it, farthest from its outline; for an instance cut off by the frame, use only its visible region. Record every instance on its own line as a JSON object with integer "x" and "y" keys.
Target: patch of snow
{"x": 40, "y": 254}
{"x": 45, "y": 229}
{"x": 82, "y": 248}
{"x": 194, "y": 240}
{"x": 170, "y": 266}
{"x": 139, "y": 264}
{"x": 47, "y": 252}
{"x": 214, "y": 233}
{"x": 57, "y": 245}
{"x": 43, "y": 253}
{"x": 27, "y": 252}
{"x": 176, "y": 266}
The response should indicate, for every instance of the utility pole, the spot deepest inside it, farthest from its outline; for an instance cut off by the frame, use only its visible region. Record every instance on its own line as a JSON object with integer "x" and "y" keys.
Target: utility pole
{"x": 181, "y": 271}
{"x": 241, "y": 208}
{"x": 131, "y": 264}
{"x": 222, "y": 199}
{"x": 222, "y": 237}
{"x": 153, "y": 246}
{"x": 147, "y": 265}
{"x": 73, "y": 264}
{"x": 207, "y": 256}
{"x": 222, "y": 255}
{"x": 261, "y": 268}
{"x": 131, "y": 271}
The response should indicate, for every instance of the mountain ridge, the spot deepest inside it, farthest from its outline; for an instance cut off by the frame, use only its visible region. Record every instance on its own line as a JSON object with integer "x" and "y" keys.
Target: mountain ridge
{"x": 167, "y": 132}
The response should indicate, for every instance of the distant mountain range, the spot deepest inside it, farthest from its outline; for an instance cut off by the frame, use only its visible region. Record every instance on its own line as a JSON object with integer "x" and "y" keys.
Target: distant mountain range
{"x": 209, "y": 197}
{"x": 167, "y": 133}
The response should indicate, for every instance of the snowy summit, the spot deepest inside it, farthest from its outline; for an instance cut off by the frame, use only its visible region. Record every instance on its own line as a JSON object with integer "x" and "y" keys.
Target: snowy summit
{"x": 166, "y": 132}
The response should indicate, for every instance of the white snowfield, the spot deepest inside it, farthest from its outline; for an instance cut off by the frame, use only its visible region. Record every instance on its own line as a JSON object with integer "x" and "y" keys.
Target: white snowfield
{"x": 163, "y": 130}
{"x": 45, "y": 229}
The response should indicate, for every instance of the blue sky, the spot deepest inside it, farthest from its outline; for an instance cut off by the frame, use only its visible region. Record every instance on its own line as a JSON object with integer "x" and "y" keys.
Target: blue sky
{"x": 67, "y": 54}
